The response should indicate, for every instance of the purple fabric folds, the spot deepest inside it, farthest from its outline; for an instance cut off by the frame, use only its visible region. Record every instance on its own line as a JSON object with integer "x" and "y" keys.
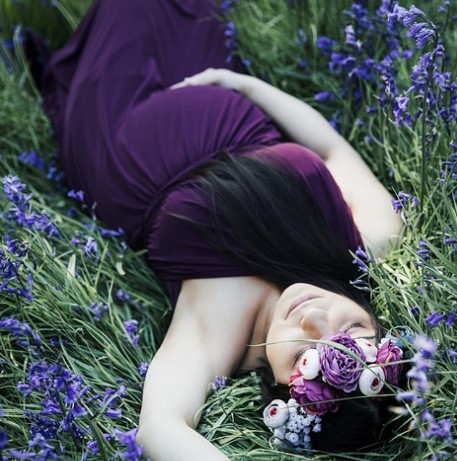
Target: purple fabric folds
{"x": 129, "y": 142}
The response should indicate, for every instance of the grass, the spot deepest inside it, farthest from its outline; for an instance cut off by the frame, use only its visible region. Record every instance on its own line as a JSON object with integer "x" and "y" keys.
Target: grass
{"x": 70, "y": 283}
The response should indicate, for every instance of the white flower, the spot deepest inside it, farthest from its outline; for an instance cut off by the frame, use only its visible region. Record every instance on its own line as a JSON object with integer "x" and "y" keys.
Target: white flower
{"x": 276, "y": 414}
{"x": 368, "y": 348}
{"x": 292, "y": 438}
{"x": 308, "y": 364}
{"x": 280, "y": 432}
{"x": 371, "y": 380}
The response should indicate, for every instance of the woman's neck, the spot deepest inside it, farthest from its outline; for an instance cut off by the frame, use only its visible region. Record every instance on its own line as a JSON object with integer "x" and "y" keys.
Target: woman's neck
{"x": 255, "y": 353}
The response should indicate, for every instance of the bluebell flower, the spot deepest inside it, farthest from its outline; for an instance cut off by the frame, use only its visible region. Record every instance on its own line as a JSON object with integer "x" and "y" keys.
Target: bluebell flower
{"x": 105, "y": 233}
{"x": 323, "y": 96}
{"x": 400, "y": 108}
{"x": 403, "y": 199}
{"x": 326, "y": 45}
{"x": 91, "y": 247}
{"x": 131, "y": 328}
{"x": 434, "y": 319}
{"x": 32, "y": 158}
{"x": 21, "y": 332}
{"x": 423, "y": 365}
{"x": 123, "y": 295}
{"x": 441, "y": 429}
{"x": 77, "y": 195}
{"x": 132, "y": 450}
{"x": 3, "y": 439}
{"x": 113, "y": 414}
{"x": 219, "y": 383}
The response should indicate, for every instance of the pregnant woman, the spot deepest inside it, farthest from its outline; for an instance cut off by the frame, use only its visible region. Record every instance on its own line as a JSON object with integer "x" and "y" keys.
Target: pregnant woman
{"x": 248, "y": 204}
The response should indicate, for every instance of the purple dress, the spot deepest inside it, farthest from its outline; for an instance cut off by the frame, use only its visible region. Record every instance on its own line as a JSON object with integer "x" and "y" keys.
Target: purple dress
{"x": 129, "y": 142}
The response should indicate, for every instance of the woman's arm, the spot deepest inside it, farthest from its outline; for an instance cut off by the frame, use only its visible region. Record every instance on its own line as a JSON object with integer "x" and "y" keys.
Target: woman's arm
{"x": 369, "y": 201}
{"x": 207, "y": 338}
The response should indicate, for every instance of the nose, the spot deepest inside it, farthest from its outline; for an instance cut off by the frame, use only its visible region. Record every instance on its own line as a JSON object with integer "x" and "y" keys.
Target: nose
{"x": 315, "y": 323}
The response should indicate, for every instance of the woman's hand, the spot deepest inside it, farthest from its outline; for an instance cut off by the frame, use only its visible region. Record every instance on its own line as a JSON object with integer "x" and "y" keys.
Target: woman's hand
{"x": 219, "y": 77}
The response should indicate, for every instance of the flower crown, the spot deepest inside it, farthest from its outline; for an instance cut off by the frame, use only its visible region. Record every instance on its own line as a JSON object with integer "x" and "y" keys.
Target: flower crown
{"x": 325, "y": 370}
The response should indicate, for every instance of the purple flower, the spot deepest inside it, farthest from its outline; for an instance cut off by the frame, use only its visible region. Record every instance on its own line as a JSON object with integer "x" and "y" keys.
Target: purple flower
{"x": 219, "y": 383}
{"x": 388, "y": 353}
{"x": 131, "y": 328}
{"x": 31, "y": 158}
{"x": 325, "y": 44}
{"x": 98, "y": 310}
{"x": 123, "y": 295}
{"x": 316, "y": 397}
{"x": 77, "y": 195}
{"x": 339, "y": 369}
{"x": 91, "y": 247}
{"x": 143, "y": 369}
{"x": 441, "y": 429}
{"x": 112, "y": 233}
{"x": 132, "y": 451}
{"x": 324, "y": 96}
{"x": 113, "y": 414}
{"x": 450, "y": 319}
{"x": 403, "y": 199}
{"x": 3, "y": 439}
{"x": 434, "y": 319}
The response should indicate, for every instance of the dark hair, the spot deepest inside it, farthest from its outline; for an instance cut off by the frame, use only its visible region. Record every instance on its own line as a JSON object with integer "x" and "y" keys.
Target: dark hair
{"x": 265, "y": 217}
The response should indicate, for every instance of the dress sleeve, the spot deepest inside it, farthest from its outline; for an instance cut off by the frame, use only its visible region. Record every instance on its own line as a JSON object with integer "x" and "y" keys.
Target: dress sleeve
{"x": 178, "y": 251}
{"x": 311, "y": 168}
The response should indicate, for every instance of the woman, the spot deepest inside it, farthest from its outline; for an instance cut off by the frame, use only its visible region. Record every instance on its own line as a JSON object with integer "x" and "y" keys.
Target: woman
{"x": 248, "y": 229}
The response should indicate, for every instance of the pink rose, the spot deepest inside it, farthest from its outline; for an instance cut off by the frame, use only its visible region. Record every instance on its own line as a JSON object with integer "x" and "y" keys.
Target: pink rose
{"x": 315, "y": 397}
{"x": 389, "y": 353}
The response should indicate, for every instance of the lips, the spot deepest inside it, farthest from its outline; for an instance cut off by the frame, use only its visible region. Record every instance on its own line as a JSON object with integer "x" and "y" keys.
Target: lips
{"x": 298, "y": 302}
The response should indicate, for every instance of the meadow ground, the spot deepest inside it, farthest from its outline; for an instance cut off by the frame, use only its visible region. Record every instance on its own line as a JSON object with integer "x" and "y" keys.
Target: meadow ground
{"x": 81, "y": 314}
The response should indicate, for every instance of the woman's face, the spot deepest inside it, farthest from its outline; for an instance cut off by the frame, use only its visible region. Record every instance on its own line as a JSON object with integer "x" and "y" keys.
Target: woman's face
{"x": 307, "y": 312}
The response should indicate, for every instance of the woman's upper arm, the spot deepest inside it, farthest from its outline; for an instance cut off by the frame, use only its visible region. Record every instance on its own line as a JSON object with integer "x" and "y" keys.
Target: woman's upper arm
{"x": 368, "y": 199}
{"x": 207, "y": 338}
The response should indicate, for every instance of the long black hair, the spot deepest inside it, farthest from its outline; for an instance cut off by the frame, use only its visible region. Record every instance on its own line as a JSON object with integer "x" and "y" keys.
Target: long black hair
{"x": 264, "y": 217}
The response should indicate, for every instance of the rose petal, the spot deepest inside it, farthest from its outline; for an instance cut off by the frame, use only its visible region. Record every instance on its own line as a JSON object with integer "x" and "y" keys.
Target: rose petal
{"x": 372, "y": 380}
{"x": 368, "y": 348}
{"x": 276, "y": 414}
{"x": 308, "y": 364}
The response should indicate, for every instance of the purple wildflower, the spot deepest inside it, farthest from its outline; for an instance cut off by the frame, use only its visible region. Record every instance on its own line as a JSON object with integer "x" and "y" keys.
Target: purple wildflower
{"x": 452, "y": 354}
{"x": 143, "y": 369}
{"x": 91, "y": 247}
{"x": 98, "y": 310}
{"x": 400, "y": 108}
{"x": 105, "y": 233}
{"x": 325, "y": 44}
{"x": 423, "y": 364}
{"x": 324, "y": 96}
{"x": 32, "y": 158}
{"x": 219, "y": 383}
{"x": 434, "y": 319}
{"x": 131, "y": 328}
{"x": 113, "y": 414}
{"x": 3, "y": 439}
{"x": 450, "y": 319}
{"x": 403, "y": 199}
{"x": 132, "y": 451}
{"x": 22, "y": 332}
{"x": 123, "y": 295}
{"x": 440, "y": 429}
{"x": 77, "y": 195}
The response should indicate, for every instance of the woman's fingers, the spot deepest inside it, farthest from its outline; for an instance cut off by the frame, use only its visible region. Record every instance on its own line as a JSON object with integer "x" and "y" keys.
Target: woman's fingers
{"x": 210, "y": 76}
